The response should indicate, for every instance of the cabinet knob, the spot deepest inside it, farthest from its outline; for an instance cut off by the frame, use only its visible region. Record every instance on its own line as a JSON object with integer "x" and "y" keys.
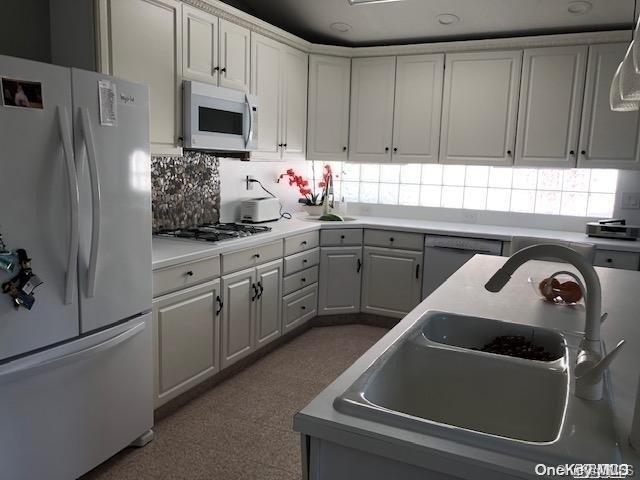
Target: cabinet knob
{"x": 572, "y": 152}
{"x": 189, "y": 273}
{"x": 223, "y": 70}
{"x": 609, "y": 260}
{"x": 284, "y": 145}
{"x": 395, "y": 149}
{"x": 303, "y": 279}
{"x": 257, "y": 255}
{"x": 342, "y": 237}
{"x": 583, "y": 152}
{"x": 391, "y": 239}
{"x": 215, "y": 69}
{"x": 280, "y": 144}
{"x": 386, "y": 149}
{"x": 344, "y": 149}
{"x": 303, "y": 307}
{"x": 303, "y": 243}
{"x": 509, "y": 152}
{"x": 304, "y": 260}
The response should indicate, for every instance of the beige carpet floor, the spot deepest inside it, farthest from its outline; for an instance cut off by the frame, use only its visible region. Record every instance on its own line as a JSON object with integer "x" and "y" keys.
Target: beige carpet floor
{"x": 242, "y": 428}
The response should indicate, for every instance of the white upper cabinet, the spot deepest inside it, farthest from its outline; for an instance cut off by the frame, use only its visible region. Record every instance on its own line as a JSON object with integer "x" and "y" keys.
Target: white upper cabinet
{"x": 139, "y": 41}
{"x": 329, "y": 86}
{"x": 550, "y": 106}
{"x": 294, "y": 96}
{"x": 235, "y": 56}
{"x": 214, "y": 50}
{"x": 418, "y": 104}
{"x": 479, "y": 107}
{"x": 608, "y": 139}
{"x": 199, "y": 45}
{"x": 265, "y": 83}
{"x": 279, "y": 79}
{"x": 372, "y": 98}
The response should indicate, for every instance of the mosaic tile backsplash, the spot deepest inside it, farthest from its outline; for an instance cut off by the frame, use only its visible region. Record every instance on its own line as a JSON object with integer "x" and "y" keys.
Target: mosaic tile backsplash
{"x": 185, "y": 190}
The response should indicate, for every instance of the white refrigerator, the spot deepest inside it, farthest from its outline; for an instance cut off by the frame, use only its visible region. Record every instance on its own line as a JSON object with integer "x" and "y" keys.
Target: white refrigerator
{"x": 75, "y": 194}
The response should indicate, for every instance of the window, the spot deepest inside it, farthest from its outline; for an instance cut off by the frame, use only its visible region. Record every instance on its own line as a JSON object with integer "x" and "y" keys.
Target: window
{"x": 551, "y": 191}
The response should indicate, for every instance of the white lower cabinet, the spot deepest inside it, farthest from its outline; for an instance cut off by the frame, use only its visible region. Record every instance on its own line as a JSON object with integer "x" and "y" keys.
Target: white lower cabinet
{"x": 340, "y": 272}
{"x": 186, "y": 335}
{"x": 299, "y": 307}
{"x": 251, "y": 312}
{"x": 391, "y": 281}
{"x": 268, "y": 326}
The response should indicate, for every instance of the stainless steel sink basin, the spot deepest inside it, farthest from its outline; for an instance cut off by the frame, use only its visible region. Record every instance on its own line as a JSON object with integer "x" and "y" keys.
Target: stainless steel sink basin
{"x": 432, "y": 380}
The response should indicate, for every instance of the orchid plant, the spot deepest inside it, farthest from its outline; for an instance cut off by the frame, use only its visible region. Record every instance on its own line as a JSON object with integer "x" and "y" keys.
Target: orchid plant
{"x": 307, "y": 189}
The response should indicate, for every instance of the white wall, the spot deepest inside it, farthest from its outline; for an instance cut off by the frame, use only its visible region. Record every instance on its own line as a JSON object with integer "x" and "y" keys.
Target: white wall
{"x": 232, "y": 184}
{"x": 24, "y": 29}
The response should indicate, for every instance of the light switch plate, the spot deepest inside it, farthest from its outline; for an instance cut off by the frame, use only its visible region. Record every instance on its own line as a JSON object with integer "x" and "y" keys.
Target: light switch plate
{"x": 630, "y": 200}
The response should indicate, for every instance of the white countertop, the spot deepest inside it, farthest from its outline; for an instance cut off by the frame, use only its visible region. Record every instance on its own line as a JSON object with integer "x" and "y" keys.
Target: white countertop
{"x": 168, "y": 252}
{"x": 464, "y": 293}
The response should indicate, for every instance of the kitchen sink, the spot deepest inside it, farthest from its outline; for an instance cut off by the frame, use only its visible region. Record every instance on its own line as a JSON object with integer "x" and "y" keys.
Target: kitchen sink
{"x": 434, "y": 380}
{"x": 316, "y": 218}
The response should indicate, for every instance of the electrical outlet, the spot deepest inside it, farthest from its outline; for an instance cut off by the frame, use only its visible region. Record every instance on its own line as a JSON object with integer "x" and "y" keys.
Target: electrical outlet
{"x": 630, "y": 200}
{"x": 249, "y": 182}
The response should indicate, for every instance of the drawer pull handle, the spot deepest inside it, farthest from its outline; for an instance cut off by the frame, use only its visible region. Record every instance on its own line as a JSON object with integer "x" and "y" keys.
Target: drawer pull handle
{"x": 391, "y": 239}
{"x": 303, "y": 307}
{"x": 255, "y": 292}
{"x": 342, "y": 237}
{"x": 304, "y": 260}
{"x": 303, "y": 279}
{"x": 220, "y": 305}
{"x": 261, "y": 290}
{"x": 189, "y": 273}
{"x": 418, "y": 271}
{"x": 256, "y": 255}
{"x": 359, "y": 266}
{"x": 609, "y": 260}
{"x": 303, "y": 243}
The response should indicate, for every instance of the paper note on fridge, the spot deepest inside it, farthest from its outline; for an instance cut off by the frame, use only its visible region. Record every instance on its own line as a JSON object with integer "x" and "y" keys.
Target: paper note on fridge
{"x": 108, "y": 103}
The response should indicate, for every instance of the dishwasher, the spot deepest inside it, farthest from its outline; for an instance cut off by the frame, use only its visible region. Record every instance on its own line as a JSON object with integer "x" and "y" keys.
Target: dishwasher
{"x": 443, "y": 255}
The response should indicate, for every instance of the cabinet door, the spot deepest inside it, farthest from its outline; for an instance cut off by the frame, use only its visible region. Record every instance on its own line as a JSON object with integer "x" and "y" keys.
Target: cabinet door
{"x": 550, "y": 106}
{"x": 371, "y": 125}
{"x": 199, "y": 45}
{"x": 265, "y": 83}
{"x": 418, "y": 104}
{"x": 392, "y": 281}
{"x": 329, "y": 87}
{"x": 186, "y": 336}
{"x": 607, "y": 139}
{"x": 295, "y": 65}
{"x": 479, "y": 107}
{"x": 238, "y": 295}
{"x": 268, "y": 324}
{"x": 340, "y": 269}
{"x": 141, "y": 45}
{"x": 235, "y": 56}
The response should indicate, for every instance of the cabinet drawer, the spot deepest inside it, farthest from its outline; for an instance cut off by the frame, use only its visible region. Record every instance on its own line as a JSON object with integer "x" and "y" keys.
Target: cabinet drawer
{"x": 340, "y": 237}
{"x": 250, "y": 257}
{"x": 299, "y": 307}
{"x": 186, "y": 275}
{"x": 299, "y": 280}
{"x": 300, "y": 261}
{"x": 611, "y": 259}
{"x": 300, "y": 243}
{"x": 389, "y": 239}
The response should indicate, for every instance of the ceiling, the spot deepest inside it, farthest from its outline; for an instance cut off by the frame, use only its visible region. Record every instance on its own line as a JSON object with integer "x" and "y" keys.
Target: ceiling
{"x": 413, "y": 21}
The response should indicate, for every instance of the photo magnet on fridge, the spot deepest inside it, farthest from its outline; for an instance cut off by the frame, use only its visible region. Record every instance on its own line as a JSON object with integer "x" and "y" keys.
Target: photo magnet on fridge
{"x": 21, "y": 93}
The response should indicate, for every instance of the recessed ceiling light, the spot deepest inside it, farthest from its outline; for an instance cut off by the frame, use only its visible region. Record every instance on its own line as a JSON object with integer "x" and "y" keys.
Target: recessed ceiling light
{"x": 368, "y": 2}
{"x": 340, "y": 27}
{"x": 579, "y": 7}
{"x": 448, "y": 19}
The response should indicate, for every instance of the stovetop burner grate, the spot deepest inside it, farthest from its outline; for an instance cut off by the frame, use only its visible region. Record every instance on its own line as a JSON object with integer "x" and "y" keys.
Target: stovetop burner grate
{"x": 215, "y": 232}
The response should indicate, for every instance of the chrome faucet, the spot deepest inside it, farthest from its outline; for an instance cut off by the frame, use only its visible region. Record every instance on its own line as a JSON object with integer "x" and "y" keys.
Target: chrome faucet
{"x": 590, "y": 365}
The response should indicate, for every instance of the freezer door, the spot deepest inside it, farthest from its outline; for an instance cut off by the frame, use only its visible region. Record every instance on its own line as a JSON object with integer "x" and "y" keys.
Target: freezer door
{"x": 112, "y": 154}
{"x": 39, "y": 201}
{"x": 68, "y": 409}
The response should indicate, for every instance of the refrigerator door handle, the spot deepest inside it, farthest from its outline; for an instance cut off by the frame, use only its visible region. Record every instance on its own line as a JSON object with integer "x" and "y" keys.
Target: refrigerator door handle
{"x": 95, "y": 201}
{"x": 74, "y": 200}
{"x": 9, "y": 372}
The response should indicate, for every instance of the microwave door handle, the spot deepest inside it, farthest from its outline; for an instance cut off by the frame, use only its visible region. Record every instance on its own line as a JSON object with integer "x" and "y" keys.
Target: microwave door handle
{"x": 250, "y": 135}
{"x": 96, "y": 200}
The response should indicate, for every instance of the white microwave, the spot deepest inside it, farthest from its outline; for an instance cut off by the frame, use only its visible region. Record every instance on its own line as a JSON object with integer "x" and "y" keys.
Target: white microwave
{"x": 217, "y": 118}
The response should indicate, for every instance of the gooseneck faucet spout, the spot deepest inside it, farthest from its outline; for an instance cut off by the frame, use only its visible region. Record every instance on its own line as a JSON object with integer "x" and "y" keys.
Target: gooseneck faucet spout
{"x": 590, "y": 364}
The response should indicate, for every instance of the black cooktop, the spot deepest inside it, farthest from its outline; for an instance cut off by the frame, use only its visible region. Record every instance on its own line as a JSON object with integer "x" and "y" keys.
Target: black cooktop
{"x": 215, "y": 232}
